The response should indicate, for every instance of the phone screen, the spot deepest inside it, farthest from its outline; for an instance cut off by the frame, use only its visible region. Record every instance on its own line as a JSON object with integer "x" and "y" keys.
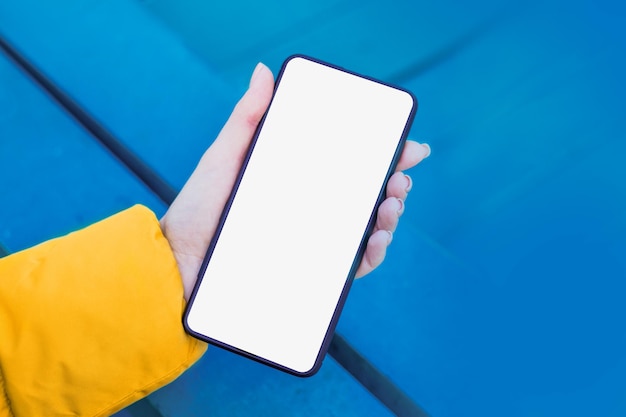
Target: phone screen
{"x": 278, "y": 271}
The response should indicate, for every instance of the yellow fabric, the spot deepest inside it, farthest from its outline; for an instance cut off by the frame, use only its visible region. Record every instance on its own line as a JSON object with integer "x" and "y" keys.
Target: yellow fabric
{"x": 91, "y": 322}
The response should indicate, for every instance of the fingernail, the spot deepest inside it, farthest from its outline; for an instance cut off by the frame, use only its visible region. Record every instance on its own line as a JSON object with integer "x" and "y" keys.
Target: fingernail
{"x": 400, "y": 207}
{"x": 390, "y": 238}
{"x": 426, "y": 147}
{"x": 255, "y": 73}
{"x": 409, "y": 183}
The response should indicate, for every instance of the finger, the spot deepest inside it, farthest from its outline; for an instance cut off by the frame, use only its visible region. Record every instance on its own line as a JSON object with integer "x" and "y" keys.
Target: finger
{"x": 218, "y": 168}
{"x": 412, "y": 154}
{"x": 234, "y": 139}
{"x": 208, "y": 188}
{"x": 375, "y": 252}
{"x": 389, "y": 213}
{"x": 399, "y": 185}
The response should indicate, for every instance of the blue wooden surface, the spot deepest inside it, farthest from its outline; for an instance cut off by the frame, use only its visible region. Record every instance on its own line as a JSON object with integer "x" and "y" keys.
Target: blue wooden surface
{"x": 224, "y": 384}
{"x": 378, "y": 38}
{"x": 129, "y": 72}
{"x": 54, "y": 178}
{"x": 514, "y": 246}
{"x": 503, "y": 291}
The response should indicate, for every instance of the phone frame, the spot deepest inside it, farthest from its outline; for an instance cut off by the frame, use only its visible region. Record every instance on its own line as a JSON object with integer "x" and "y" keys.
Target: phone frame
{"x": 362, "y": 246}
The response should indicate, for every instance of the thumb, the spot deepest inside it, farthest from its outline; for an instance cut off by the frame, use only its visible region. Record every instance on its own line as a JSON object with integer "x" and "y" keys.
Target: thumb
{"x": 191, "y": 220}
{"x": 236, "y": 134}
{"x": 209, "y": 186}
{"x": 220, "y": 164}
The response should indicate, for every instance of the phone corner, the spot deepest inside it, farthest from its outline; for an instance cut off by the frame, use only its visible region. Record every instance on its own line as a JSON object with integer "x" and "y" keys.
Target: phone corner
{"x": 414, "y": 99}
{"x": 296, "y": 56}
{"x": 185, "y": 321}
{"x": 309, "y": 373}
{"x": 410, "y": 98}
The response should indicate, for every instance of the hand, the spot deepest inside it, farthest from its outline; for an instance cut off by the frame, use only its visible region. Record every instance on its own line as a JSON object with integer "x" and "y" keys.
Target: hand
{"x": 191, "y": 220}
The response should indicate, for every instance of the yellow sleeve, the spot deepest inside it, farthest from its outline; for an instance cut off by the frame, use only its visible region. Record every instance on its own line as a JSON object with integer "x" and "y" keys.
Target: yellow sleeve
{"x": 91, "y": 322}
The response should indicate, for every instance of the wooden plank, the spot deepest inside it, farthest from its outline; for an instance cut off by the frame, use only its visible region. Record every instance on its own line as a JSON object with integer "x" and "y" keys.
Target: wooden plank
{"x": 55, "y": 178}
{"x": 154, "y": 182}
{"x": 222, "y": 383}
{"x": 129, "y": 72}
{"x": 377, "y": 38}
{"x": 223, "y": 32}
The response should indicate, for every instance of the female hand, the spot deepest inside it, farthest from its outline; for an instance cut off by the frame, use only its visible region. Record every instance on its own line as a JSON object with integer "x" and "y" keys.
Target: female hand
{"x": 192, "y": 219}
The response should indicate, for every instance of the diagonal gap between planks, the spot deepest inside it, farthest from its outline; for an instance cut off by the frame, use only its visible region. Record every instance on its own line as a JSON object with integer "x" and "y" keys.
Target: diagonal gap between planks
{"x": 137, "y": 166}
{"x": 370, "y": 377}
{"x": 455, "y": 47}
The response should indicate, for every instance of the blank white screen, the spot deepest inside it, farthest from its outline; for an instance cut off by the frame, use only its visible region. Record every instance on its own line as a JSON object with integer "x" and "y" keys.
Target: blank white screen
{"x": 285, "y": 252}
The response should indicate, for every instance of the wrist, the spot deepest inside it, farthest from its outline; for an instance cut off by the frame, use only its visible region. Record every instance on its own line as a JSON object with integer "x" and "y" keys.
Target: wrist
{"x": 188, "y": 266}
{"x": 188, "y": 263}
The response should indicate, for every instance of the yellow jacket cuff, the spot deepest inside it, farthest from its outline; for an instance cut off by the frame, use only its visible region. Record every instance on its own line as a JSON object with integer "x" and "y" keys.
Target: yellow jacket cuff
{"x": 91, "y": 322}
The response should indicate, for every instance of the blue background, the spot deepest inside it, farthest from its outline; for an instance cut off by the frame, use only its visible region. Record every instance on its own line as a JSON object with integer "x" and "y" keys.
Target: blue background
{"x": 503, "y": 292}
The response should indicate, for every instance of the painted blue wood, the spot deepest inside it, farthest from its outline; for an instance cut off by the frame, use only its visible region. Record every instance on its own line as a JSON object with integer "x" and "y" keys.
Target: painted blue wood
{"x": 129, "y": 72}
{"x": 226, "y": 32}
{"x": 224, "y": 384}
{"x": 54, "y": 178}
{"x": 380, "y": 39}
{"x": 502, "y": 293}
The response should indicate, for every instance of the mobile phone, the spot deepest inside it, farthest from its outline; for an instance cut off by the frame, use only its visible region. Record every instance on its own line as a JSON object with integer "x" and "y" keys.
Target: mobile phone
{"x": 292, "y": 234}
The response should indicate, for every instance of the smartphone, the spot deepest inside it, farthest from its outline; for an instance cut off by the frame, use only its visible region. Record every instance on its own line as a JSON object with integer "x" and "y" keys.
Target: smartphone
{"x": 279, "y": 268}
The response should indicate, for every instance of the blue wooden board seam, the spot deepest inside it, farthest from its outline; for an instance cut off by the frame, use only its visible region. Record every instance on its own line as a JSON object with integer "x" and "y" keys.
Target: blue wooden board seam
{"x": 131, "y": 161}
